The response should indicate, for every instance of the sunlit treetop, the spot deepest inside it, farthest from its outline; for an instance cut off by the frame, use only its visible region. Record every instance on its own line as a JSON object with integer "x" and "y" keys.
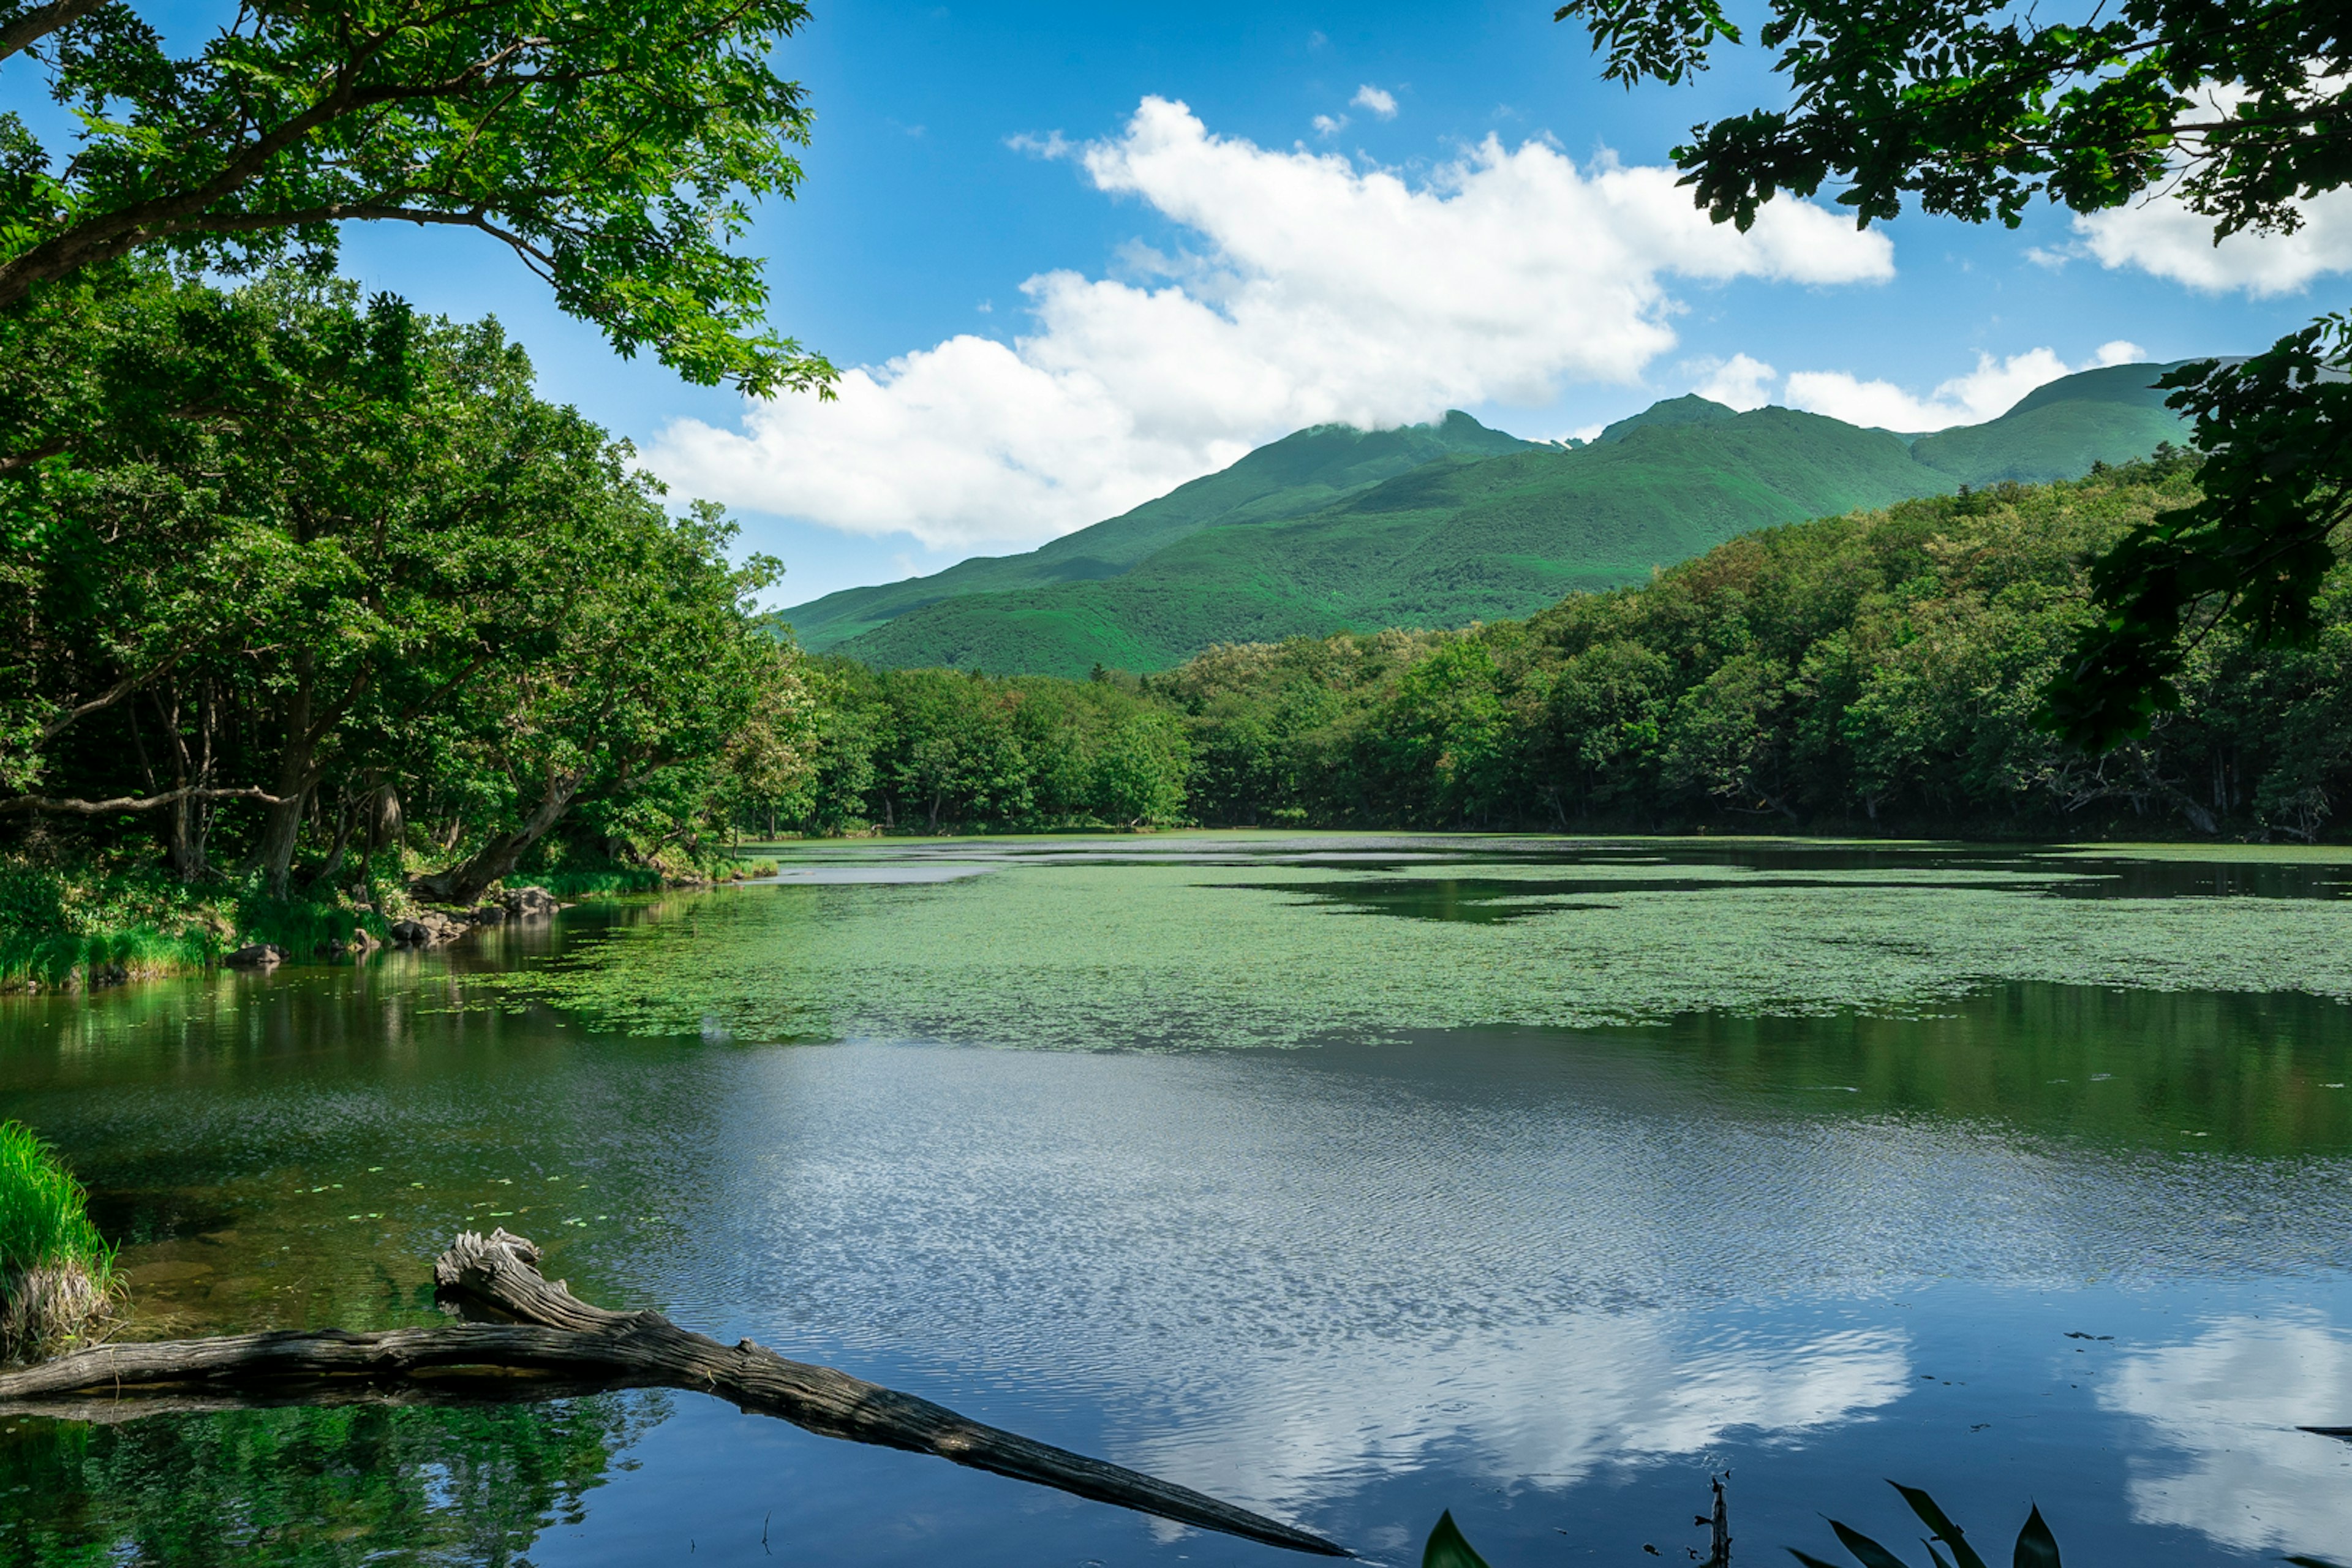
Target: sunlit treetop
{"x": 1973, "y": 109}
{"x": 614, "y": 146}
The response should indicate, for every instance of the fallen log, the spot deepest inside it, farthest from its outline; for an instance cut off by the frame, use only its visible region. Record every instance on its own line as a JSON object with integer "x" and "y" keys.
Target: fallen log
{"x": 551, "y": 1334}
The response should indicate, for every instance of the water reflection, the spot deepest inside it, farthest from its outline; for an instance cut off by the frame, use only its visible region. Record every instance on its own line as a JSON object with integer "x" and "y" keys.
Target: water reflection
{"x": 323, "y": 1488}
{"x": 1542, "y": 1405}
{"x": 1546, "y": 1275}
{"x": 2224, "y": 1406}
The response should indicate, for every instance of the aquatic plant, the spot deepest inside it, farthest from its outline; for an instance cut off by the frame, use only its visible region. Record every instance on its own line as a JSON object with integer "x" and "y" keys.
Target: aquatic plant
{"x": 2036, "y": 1547}
{"x": 57, "y": 1280}
{"x": 1447, "y": 1549}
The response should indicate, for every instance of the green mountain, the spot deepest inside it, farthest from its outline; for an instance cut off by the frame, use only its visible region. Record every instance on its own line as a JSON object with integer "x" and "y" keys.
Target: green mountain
{"x": 1332, "y": 528}
{"x": 1303, "y": 472}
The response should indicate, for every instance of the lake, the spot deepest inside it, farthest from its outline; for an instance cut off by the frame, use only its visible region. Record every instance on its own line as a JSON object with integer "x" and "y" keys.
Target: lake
{"x": 1350, "y": 1178}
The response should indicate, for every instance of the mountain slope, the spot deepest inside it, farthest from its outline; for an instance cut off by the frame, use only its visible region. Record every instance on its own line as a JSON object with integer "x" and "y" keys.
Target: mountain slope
{"x": 1298, "y": 474}
{"x": 1468, "y": 533}
{"x": 2058, "y": 431}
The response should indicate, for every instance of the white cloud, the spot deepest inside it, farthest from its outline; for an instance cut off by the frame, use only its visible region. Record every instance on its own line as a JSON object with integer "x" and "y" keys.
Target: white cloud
{"x": 1739, "y": 382}
{"x": 1317, "y": 291}
{"x": 2227, "y": 1403}
{"x": 1985, "y": 392}
{"x": 1326, "y": 126}
{"x": 1379, "y": 101}
{"x": 2163, "y": 236}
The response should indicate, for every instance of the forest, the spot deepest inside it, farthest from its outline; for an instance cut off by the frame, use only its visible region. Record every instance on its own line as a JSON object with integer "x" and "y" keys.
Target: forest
{"x": 1882, "y": 672}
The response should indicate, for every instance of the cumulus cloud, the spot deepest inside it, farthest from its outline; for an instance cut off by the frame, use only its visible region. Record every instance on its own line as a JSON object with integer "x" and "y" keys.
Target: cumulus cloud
{"x": 1379, "y": 101}
{"x": 1325, "y": 125}
{"x": 1313, "y": 290}
{"x": 1985, "y": 392}
{"x": 2163, "y": 236}
{"x": 1739, "y": 382}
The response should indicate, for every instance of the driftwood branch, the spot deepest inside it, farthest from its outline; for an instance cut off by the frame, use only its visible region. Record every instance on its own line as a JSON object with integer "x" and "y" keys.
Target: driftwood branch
{"x": 555, "y": 1336}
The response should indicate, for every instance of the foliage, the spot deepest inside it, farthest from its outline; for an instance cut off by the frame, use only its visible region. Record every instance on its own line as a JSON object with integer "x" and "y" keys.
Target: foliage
{"x": 304, "y": 580}
{"x": 92, "y": 922}
{"x": 1878, "y": 669}
{"x": 611, "y": 145}
{"x": 1973, "y": 111}
{"x": 55, "y": 1272}
{"x": 316, "y": 1485}
{"x": 2036, "y": 1547}
{"x": 1445, "y": 1547}
{"x": 2253, "y": 553}
{"x": 929, "y": 750}
{"x": 1272, "y": 548}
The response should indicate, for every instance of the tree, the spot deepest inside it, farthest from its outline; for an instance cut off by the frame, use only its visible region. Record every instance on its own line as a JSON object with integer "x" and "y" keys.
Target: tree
{"x": 611, "y": 144}
{"x": 1974, "y": 110}
{"x": 657, "y": 662}
{"x": 287, "y": 550}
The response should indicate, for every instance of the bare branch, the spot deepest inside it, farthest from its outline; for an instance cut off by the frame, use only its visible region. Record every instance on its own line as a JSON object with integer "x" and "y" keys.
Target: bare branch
{"x": 74, "y": 807}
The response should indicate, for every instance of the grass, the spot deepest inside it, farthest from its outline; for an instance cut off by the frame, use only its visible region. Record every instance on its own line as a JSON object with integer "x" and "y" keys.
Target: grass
{"x": 57, "y": 1273}
{"x": 604, "y": 882}
{"x": 74, "y": 926}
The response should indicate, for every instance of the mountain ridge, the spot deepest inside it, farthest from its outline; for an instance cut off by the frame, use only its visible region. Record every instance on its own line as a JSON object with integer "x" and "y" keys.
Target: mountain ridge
{"x": 1332, "y": 528}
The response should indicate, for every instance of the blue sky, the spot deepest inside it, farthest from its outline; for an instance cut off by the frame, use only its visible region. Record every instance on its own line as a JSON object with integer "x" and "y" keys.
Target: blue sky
{"x": 1223, "y": 278}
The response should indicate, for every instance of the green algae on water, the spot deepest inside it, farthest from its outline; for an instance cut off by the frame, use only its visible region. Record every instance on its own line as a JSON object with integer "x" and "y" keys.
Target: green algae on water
{"x": 1065, "y": 955}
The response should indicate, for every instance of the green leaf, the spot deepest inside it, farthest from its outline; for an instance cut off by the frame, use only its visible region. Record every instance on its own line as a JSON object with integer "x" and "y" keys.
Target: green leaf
{"x": 2036, "y": 1547}
{"x": 1937, "y": 1521}
{"x": 1447, "y": 1549}
{"x": 1870, "y": 1554}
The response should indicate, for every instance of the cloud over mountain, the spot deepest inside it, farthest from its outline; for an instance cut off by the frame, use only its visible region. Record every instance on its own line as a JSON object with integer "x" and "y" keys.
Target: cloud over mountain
{"x": 1314, "y": 291}
{"x": 1985, "y": 392}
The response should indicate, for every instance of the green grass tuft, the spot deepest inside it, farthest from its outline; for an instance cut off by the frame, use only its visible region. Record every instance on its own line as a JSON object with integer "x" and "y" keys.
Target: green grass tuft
{"x": 57, "y": 1273}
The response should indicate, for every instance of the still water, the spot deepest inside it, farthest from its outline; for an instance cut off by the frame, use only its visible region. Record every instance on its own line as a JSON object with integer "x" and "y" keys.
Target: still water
{"x": 1348, "y": 1178}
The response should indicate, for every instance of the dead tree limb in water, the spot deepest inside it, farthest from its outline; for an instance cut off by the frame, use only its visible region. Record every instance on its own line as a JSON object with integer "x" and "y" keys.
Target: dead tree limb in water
{"x": 554, "y": 1334}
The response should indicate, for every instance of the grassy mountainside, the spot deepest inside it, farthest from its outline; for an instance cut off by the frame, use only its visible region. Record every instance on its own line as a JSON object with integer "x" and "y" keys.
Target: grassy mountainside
{"x": 1298, "y": 474}
{"x": 1467, "y": 535}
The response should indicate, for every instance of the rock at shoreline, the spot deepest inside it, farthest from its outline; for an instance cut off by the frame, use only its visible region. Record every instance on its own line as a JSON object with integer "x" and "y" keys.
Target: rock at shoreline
{"x": 358, "y": 944}
{"x": 256, "y": 955}
{"x": 490, "y": 915}
{"x": 427, "y": 927}
{"x": 530, "y": 903}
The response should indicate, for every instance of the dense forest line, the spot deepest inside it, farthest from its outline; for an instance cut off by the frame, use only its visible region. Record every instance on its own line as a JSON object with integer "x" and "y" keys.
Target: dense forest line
{"x": 1880, "y": 672}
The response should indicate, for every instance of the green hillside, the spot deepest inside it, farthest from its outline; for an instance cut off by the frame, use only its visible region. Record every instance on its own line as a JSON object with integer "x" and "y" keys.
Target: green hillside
{"x": 1298, "y": 474}
{"x": 1458, "y": 532}
{"x": 2058, "y": 431}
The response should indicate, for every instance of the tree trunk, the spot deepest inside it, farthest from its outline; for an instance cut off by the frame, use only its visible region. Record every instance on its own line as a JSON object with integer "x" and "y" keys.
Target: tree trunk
{"x": 463, "y": 883}
{"x": 324, "y": 881}
{"x": 548, "y": 1330}
{"x": 281, "y": 828}
{"x": 386, "y": 827}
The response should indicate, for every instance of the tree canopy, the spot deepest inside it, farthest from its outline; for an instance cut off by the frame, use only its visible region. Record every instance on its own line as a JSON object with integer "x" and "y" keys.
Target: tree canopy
{"x": 290, "y": 551}
{"x": 2240, "y": 109}
{"x": 611, "y": 144}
